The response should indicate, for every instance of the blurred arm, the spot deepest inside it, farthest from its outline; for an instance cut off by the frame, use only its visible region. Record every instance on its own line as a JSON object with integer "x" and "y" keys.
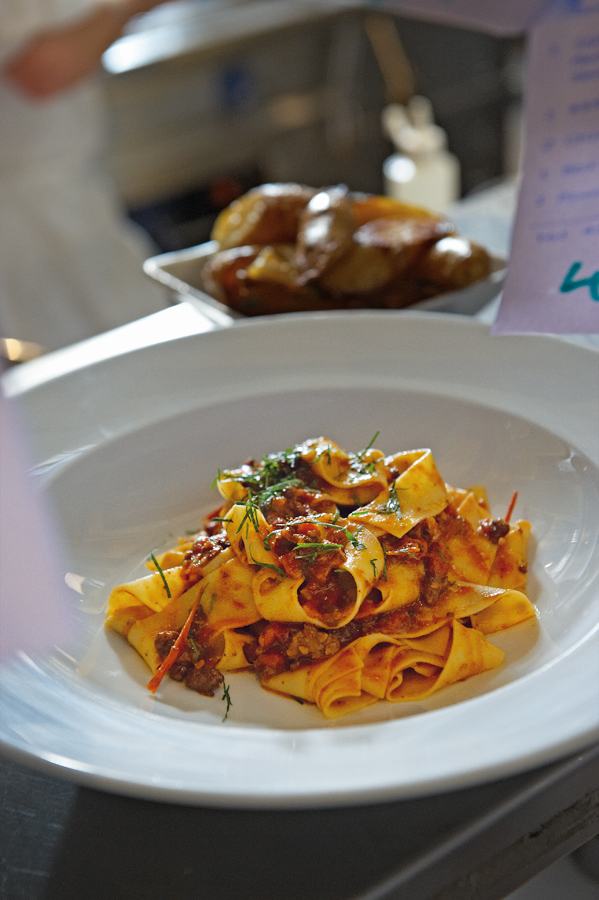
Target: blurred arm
{"x": 56, "y": 60}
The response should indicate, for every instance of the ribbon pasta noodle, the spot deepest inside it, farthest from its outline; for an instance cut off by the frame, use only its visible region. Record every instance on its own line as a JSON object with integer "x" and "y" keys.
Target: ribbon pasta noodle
{"x": 341, "y": 579}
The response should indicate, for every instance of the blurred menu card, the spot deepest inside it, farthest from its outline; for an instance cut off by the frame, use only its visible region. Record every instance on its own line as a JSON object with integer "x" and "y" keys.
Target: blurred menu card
{"x": 552, "y": 283}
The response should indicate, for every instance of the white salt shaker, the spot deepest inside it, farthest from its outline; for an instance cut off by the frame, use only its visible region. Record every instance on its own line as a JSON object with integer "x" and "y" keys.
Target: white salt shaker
{"x": 422, "y": 171}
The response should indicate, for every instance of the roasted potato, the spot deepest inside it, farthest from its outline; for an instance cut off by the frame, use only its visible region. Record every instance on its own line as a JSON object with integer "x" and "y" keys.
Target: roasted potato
{"x": 288, "y": 247}
{"x": 453, "y": 262}
{"x": 361, "y": 271}
{"x": 325, "y": 232}
{"x": 257, "y": 281}
{"x": 373, "y": 206}
{"x": 265, "y": 215}
{"x": 220, "y": 274}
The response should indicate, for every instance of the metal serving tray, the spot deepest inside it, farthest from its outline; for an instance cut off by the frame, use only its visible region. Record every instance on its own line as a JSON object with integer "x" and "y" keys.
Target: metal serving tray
{"x": 181, "y": 272}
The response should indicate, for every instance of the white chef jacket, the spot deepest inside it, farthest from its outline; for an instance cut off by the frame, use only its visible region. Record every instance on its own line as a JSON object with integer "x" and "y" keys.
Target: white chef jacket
{"x": 70, "y": 262}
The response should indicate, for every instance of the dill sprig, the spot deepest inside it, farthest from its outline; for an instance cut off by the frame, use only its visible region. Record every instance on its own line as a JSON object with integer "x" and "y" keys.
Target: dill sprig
{"x": 351, "y": 537}
{"x": 272, "y": 470}
{"x": 265, "y": 495}
{"x": 250, "y": 514}
{"x": 392, "y": 505}
{"x": 310, "y": 551}
{"x": 326, "y": 451}
{"x": 265, "y": 565}
{"x": 358, "y": 464}
{"x": 362, "y": 453}
{"x": 263, "y": 482}
{"x": 258, "y": 500}
{"x": 227, "y": 699}
{"x": 161, "y": 573}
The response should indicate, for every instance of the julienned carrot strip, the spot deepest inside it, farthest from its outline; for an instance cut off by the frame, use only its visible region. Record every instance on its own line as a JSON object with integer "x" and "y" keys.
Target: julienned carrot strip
{"x": 175, "y": 651}
{"x": 511, "y": 506}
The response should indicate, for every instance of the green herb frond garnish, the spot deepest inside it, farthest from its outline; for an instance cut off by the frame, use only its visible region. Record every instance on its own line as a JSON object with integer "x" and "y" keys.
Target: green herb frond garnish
{"x": 326, "y": 451}
{"x": 161, "y": 573}
{"x": 312, "y": 550}
{"x": 197, "y": 650}
{"x": 351, "y": 537}
{"x": 271, "y": 470}
{"x": 218, "y": 477}
{"x": 321, "y": 546}
{"x": 227, "y": 699}
{"x": 265, "y": 496}
{"x": 261, "y": 498}
{"x": 358, "y": 462}
{"x": 280, "y": 572}
{"x": 362, "y": 453}
{"x": 392, "y": 505}
{"x": 250, "y": 514}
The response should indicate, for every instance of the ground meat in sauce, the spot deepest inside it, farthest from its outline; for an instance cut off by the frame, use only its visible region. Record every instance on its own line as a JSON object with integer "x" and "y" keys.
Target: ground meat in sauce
{"x": 328, "y": 597}
{"x": 312, "y": 643}
{"x": 414, "y": 548}
{"x": 327, "y": 590}
{"x": 163, "y": 642}
{"x": 445, "y": 525}
{"x": 196, "y": 664}
{"x": 281, "y": 647}
{"x": 302, "y": 560}
{"x": 278, "y": 647}
{"x": 400, "y": 621}
{"x": 267, "y": 652}
{"x": 213, "y": 524}
{"x": 204, "y": 679}
{"x": 205, "y": 549}
{"x": 494, "y": 529}
{"x": 436, "y": 568}
{"x": 294, "y": 502}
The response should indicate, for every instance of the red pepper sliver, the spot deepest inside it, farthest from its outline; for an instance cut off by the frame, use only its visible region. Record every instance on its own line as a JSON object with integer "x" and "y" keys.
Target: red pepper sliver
{"x": 307, "y": 528}
{"x": 511, "y": 506}
{"x": 175, "y": 651}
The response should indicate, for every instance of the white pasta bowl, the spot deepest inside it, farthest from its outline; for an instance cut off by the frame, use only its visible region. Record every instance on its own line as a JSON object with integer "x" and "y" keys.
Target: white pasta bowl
{"x": 129, "y": 454}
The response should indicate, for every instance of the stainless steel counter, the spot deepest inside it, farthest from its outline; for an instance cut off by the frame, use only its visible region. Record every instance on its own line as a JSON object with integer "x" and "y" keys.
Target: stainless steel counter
{"x": 201, "y": 90}
{"x": 203, "y": 28}
{"x": 291, "y": 90}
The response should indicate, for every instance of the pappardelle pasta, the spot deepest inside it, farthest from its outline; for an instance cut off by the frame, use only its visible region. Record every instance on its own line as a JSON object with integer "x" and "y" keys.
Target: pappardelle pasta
{"x": 339, "y": 578}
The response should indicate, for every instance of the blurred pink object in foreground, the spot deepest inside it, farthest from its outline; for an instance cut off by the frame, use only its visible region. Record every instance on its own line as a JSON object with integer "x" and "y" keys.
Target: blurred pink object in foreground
{"x": 33, "y": 594}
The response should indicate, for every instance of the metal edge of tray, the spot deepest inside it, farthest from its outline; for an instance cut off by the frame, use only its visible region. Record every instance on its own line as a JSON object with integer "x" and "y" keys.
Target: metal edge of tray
{"x": 170, "y": 270}
{"x": 163, "y": 267}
